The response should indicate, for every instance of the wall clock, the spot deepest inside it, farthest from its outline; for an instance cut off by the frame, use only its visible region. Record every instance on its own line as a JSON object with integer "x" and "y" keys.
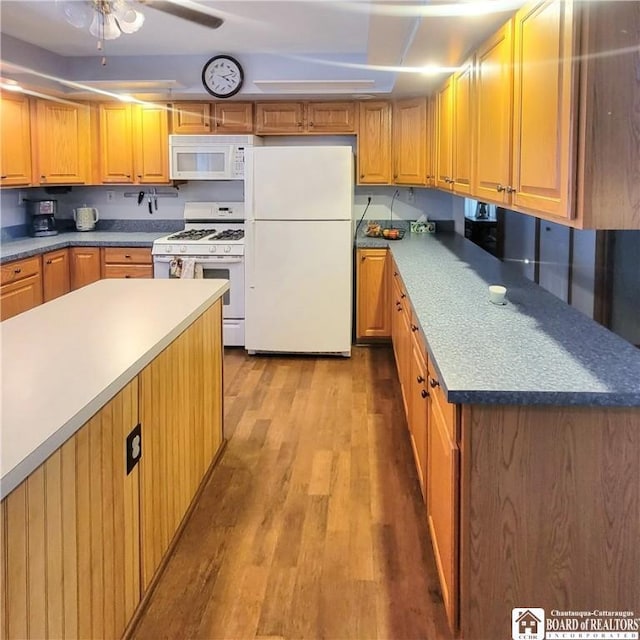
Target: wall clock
{"x": 222, "y": 76}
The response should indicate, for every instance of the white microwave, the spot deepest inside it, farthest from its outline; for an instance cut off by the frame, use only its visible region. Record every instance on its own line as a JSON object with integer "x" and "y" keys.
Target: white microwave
{"x": 208, "y": 157}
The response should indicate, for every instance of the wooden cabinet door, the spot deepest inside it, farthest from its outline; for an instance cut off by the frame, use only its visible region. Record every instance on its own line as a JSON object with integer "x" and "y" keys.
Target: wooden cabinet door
{"x": 233, "y": 117}
{"x": 418, "y": 417}
{"x": 373, "y": 305}
{"x": 15, "y": 137}
{"x": 71, "y": 542}
{"x": 62, "y": 143}
{"x": 432, "y": 111}
{"x": 191, "y": 117}
{"x": 151, "y": 144}
{"x": 374, "y": 143}
{"x": 410, "y": 141}
{"x": 331, "y": 117}
{"x": 20, "y": 296}
{"x": 444, "y": 136}
{"x": 116, "y": 142}
{"x": 442, "y": 508}
{"x": 84, "y": 266}
{"x": 544, "y": 93}
{"x": 493, "y": 117}
{"x": 56, "y": 275}
{"x": 463, "y": 129}
{"x": 279, "y": 117}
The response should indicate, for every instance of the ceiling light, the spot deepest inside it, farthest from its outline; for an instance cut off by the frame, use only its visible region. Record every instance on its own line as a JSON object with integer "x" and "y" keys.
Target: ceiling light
{"x": 106, "y": 19}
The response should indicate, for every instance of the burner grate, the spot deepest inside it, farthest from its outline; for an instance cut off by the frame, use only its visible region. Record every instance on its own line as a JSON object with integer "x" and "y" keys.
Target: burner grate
{"x": 191, "y": 234}
{"x": 229, "y": 234}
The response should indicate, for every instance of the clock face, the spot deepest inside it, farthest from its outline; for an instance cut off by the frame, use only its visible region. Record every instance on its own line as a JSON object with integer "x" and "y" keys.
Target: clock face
{"x": 222, "y": 76}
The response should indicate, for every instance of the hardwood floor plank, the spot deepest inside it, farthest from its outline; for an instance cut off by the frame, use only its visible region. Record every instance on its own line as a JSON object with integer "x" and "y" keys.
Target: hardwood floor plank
{"x": 312, "y": 524}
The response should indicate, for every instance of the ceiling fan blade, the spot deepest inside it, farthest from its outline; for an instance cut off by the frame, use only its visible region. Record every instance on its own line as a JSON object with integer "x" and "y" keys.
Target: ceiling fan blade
{"x": 184, "y": 12}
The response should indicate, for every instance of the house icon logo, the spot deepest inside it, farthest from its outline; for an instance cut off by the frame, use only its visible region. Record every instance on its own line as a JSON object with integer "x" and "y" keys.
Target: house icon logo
{"x": 527, "y": 624}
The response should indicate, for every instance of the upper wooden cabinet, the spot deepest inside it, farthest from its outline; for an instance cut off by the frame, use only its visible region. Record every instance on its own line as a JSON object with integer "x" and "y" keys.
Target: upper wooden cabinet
{"x": 15, "y": 140}
{"x": 410, "y": 141}
{"x": 280, "y": 117}
{"x": 133, "y": 144}
{"x": 305, "y": 117}
{"x": 212, "y": 117}
{"x": 543, "y": 126}
{"x": 331, "y": 117}
{"x": 374, "y": 142}
{"x": 462, "y": 140}
{"x": 493, "y": 116}
{"x": 432, "y": 111}
{"x": 61, "y": 142}
{"x": 444, "y": 136}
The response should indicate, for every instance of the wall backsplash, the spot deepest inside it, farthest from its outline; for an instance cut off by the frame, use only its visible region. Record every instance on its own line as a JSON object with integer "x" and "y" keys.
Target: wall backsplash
{"x": 113, "y": 205}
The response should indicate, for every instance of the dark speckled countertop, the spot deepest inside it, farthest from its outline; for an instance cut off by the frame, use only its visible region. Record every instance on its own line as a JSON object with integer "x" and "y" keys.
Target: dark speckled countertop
{"x": 534, "y": 350}
{"x": 26, "y": 247}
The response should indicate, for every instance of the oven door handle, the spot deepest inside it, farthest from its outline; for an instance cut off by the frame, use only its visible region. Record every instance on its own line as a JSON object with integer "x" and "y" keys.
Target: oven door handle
{"x": 205, "y": 261}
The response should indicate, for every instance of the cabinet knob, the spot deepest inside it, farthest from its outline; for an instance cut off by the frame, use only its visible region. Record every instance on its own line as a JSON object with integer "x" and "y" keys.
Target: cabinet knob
{"x": 18, "y": 270}
{"x": 139, "y": 176}
{"x": 206, "y": 125}
{"x": 420, "y": 379}
{"x": 395, "y": 274}
{"x": 424, "y": 393}
{"x": 414, "y": 328}
{"x": 434, "y": 383}
{"x": 298, "y": 124}
{"x": 49, "y": 261}
{"x": 127, "y": 276}
{"x": 510, "y": 190}
{"x": 500, "y": 188}
{"x": 43, "y": 177}
{"x": 403, "y": 295}
{"x": 4, "y": 177}
{"x": 311, "y": 124}
{"x": 362, "y": 176}
{"x": 126, "y": 255}
{"x": 399, "y": 308}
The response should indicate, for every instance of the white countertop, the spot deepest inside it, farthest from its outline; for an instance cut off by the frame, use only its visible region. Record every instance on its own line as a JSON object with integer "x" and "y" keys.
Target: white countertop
{"x": 64, "y": 360}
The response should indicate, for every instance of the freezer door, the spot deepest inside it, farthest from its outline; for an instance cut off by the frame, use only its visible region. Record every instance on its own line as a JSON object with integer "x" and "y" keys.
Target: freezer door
{"x": 300, "y": 183}
{"x": 298, "y": 287}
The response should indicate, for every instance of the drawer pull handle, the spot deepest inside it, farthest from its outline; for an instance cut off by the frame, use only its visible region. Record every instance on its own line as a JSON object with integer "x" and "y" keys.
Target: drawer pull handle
{"x": 420, "y": 379}
{"x": 403, "y": 295}
{"x": 126, "y": 255}
{"x": 49, "y": 261}
{"x": 424, "y": 393}
{"x": 18, "y": 270}
{"x": 127, "y": 276}
{"x": 434, "y": 383}
{"x": 414, "y": 328}
{"x": 399, "y": 308}
{"x": 395, "y": 274}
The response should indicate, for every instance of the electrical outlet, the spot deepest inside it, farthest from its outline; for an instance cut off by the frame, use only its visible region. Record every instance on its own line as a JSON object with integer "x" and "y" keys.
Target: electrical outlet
{"x": 21, "y": 197}
{"x": 111, "y": 195}
{"x": 411, "y": 196}
{"x": 430, "y": 227}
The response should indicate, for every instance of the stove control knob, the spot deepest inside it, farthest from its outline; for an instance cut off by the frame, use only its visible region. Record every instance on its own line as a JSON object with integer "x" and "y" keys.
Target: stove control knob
{"x": 168, "y": 248}
{"x": 212, "y": 248}
{"x": 227, "y": 249}
{"x": 183, "y": 249}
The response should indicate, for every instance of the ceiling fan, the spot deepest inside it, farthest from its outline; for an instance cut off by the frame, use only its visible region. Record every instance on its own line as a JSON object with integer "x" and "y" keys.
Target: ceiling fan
{"x": 107, "y": 19}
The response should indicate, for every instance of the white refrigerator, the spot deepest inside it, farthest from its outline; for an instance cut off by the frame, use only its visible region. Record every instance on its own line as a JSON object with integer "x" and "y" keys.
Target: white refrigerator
{"x": 298, "y": 249}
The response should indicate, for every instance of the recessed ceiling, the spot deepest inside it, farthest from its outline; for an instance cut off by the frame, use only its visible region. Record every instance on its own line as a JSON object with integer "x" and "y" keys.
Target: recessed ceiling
{"x": 321, "y": 45}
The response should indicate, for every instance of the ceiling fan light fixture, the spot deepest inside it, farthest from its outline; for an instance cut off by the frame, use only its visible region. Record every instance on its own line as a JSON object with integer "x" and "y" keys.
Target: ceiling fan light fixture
{"x": 129, "y": 20}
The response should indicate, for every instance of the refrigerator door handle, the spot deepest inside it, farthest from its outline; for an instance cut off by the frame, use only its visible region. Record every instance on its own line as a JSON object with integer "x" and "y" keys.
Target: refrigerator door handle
{"x": 250, "y": 259}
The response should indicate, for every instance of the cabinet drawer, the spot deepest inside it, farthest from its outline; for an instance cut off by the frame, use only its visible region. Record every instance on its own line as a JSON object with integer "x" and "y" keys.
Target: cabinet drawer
{"x": 19, "y": 296}
{"x": 13, "y": 271}
{"x": 127, "y": 255}
{"x": 448, "y": 411}
{"x": 128, "y": 271}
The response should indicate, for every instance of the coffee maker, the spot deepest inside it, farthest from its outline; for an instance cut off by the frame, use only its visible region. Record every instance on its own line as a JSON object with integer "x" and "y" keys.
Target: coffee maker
{"x": 42, "y": 217}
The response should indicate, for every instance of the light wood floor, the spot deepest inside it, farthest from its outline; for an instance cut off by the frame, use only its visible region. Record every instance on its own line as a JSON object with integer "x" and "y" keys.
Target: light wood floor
{"x": 312, "y": 524}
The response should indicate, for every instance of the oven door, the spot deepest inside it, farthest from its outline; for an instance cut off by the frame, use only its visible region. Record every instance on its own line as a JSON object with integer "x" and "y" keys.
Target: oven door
{"x": 222, "y": 267}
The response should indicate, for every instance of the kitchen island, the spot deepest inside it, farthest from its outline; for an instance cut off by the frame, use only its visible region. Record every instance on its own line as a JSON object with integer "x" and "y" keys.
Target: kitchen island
{"x": 530, "y": 439}
{"x": 111, "y": 419}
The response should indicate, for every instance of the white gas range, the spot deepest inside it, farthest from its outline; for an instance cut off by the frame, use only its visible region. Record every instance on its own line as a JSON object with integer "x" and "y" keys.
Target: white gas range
{"x": 210, "y": 246}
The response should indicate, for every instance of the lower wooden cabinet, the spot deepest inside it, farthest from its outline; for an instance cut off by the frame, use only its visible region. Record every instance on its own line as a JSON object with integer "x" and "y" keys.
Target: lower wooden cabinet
{"x": 419, "y": 407}
{"x": 443, "y": 488}
{"x": 127, "y": 262}
{"x": 84, "y": 266}
{"x": 373, "y": 315}
{"x": 20, "y": 286}
{"x": 56, "y": 274}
